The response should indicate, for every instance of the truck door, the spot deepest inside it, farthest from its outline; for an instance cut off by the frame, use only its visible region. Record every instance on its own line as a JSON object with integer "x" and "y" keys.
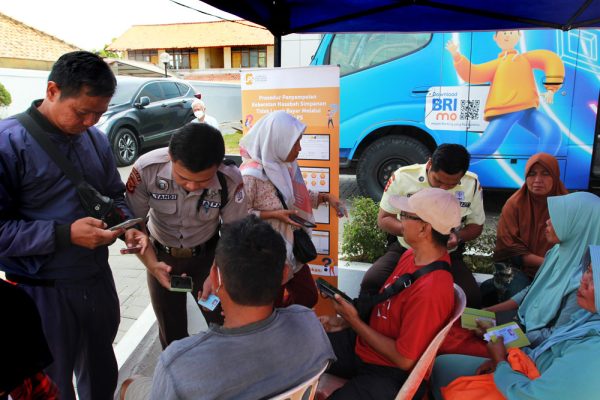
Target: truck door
{"x": 579, "y": 52}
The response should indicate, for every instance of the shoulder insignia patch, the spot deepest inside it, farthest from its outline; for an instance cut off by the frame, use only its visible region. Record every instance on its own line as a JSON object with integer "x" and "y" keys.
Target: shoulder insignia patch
{"x": 133, "y": 181}
{"x": 239, "y": 193}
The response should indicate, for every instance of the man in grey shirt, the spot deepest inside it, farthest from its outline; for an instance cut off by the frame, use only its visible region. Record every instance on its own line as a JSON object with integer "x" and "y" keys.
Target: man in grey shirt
{"x": 259, "y": 351}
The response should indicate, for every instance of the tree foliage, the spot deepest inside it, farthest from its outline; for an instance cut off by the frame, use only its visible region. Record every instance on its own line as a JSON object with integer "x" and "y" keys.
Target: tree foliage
{"x": 5, "y": 97}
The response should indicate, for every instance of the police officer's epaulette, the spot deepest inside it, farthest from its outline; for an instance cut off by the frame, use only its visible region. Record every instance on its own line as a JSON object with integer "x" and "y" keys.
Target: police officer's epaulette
{"x": 472, "y": 176}
{"x": 158, "y": 156}
{"x": 410, "y": 168}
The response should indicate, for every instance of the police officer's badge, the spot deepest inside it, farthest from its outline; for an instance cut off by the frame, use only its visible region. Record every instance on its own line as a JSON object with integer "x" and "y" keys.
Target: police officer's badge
{"x": 162, "y": 184}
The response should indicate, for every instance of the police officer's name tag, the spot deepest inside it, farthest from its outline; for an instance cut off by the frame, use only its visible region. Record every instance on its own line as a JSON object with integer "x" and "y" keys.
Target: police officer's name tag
{"x": 159, "y": 196}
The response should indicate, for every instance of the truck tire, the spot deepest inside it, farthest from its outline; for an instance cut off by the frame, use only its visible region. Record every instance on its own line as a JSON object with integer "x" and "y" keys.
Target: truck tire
{"x": 125, "y": 146}
{"x": 384, "y": 156}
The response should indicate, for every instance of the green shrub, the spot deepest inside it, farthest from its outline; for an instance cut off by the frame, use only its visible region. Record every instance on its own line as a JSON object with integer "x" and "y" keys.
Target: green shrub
{"x": 362, "y": 239}
{"x": 5, "y": 98}
{"x": 478, "y": 253}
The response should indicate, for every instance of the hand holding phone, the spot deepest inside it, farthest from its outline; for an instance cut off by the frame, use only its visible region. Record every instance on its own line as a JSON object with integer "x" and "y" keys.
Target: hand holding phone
{"x": 181, "y": 283}
{"x": 302, "y": 221}
{"x": 328, "y": 290}
{"x": 131, "y": 250}
{"x": 126, "y": 224}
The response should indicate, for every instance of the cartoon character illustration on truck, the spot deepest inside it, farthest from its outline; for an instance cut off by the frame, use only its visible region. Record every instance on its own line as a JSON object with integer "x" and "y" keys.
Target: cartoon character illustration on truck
{"x": 513, "y": 98}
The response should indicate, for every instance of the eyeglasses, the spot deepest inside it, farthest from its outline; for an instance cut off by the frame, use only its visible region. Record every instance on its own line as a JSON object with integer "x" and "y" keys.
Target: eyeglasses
{"x": 404, "y": 215}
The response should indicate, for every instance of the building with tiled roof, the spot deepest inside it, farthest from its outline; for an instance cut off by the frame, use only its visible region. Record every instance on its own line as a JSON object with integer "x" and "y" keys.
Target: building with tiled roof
{"x": 199, "y": 45}
{"x": 22, "y": 46}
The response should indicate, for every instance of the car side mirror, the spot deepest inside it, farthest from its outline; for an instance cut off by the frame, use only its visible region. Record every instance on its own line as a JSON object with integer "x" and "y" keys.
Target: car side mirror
{"x": 144, "y": 101}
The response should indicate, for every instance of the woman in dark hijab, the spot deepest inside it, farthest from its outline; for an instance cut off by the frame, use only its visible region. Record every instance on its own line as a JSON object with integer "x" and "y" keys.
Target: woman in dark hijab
{"x": 521, "y": 243}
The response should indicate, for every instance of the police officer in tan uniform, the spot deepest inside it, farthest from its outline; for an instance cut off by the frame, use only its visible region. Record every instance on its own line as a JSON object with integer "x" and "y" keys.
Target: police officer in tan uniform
{"x": 186, "y": 192}
{"x": 446, "y": 169}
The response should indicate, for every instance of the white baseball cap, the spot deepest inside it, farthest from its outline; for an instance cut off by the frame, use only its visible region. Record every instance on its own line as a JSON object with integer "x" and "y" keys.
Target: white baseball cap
{"x": 435, "y": 206}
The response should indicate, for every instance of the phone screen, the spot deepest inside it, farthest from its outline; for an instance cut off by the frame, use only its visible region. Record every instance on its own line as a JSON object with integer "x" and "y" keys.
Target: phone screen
{"x": 181, "y": 283}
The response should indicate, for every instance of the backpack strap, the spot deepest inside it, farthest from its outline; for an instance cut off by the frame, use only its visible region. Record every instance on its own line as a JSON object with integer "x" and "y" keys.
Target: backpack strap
{"x": 50, "y": 148}
{"x": 406, "y": 280}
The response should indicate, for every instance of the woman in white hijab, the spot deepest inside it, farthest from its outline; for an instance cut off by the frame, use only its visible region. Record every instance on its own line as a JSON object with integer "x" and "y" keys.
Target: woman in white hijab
{"x": 269, "y": 153}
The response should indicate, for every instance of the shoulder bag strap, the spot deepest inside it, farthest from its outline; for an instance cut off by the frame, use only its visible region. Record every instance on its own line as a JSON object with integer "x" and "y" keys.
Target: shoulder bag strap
{"x": 280, "y": 196}
{"x": 45, "y": 143}
{"x": 406, "y": 280}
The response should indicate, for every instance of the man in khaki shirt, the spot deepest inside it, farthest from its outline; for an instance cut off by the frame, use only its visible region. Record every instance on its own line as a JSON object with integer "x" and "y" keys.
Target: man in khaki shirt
{"x": 185, "y": 191}
{"x": 446, "y": 169}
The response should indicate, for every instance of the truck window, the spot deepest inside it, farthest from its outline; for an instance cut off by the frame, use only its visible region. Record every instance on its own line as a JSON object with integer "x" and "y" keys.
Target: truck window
{"x": 355, "y": 52}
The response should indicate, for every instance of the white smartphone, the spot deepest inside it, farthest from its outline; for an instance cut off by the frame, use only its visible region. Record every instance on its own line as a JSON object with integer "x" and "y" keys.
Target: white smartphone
{"x": 126, "y": 224}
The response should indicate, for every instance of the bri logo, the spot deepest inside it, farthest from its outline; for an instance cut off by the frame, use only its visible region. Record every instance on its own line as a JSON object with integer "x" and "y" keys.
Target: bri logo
{"x": 446, "y": 108}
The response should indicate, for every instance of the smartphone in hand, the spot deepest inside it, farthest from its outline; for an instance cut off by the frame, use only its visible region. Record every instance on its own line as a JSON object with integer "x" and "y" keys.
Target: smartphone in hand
{"x": 126, "y": 224}
{"x": 131, "y": 250}
{"x": 302, "y": 221}
{"x": 181, "y": 283}
{"x": 328, "y": 290}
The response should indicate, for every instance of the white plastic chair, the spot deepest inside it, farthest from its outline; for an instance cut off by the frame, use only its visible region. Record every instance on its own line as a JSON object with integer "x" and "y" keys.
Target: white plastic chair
{"x": 425, "y": 363}
{"x": 304, "y": 391}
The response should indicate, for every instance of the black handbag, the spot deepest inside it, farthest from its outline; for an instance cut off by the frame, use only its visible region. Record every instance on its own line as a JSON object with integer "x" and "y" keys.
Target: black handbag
{"x": 93, "y": 202}
{"x": 304, "y": 249}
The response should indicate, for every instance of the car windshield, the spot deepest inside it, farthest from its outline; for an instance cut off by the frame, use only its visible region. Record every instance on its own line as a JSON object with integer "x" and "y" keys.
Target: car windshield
{"x": 124, "y": 93}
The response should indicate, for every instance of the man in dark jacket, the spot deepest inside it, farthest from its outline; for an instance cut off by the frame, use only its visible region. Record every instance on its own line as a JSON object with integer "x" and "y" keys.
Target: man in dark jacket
{"x": 49, "y": 244}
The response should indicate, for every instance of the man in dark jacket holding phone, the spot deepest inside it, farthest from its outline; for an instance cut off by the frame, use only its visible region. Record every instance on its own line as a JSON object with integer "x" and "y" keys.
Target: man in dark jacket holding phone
{"x": 49, "y": 244}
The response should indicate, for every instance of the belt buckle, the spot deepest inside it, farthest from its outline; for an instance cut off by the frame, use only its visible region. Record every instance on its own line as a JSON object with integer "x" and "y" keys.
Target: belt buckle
{"x": 179, "y": 252}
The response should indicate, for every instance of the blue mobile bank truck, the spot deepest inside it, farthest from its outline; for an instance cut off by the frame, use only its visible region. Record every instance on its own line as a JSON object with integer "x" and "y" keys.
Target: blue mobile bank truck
{"x": 401, "y": 95}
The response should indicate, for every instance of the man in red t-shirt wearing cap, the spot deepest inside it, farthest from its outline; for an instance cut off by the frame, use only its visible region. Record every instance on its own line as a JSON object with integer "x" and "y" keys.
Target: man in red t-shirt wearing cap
{"x": 377, "y": 357}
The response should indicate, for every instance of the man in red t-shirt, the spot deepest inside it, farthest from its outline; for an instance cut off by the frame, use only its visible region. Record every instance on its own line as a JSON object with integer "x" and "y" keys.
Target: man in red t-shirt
{"x": 377, "y": 357}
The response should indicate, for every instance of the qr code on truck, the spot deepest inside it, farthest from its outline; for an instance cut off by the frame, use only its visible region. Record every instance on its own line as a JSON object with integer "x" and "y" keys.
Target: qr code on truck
{"x": 469, "y": 109}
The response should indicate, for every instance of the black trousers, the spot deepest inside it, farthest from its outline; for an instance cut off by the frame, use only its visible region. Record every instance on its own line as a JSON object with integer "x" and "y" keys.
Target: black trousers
{"x": 80, "y": 322}
{"x": 170, "y": 307}
{"x": 366, "y": 381}
{"x": 381, "y": 269}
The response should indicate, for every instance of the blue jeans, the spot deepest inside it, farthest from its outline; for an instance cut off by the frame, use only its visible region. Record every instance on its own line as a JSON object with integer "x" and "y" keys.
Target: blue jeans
{"x": 534, "y": 121}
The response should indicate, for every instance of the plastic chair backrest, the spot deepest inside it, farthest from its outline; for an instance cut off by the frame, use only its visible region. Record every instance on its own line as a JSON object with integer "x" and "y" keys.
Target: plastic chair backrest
{"x": 304, "y": 391}
{"x": 425, "y": 363}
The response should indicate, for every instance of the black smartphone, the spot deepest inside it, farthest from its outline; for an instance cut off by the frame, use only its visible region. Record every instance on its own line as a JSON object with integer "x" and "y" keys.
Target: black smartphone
{"x": 181, "y": 283}
{"x": 302, "y": 221}
{"x": 127, "y": 224}
{"x": 328, "y": 290}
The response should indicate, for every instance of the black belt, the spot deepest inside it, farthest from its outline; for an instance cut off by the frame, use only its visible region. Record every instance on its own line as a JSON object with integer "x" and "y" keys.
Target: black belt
{"x": 181, "y": 252}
